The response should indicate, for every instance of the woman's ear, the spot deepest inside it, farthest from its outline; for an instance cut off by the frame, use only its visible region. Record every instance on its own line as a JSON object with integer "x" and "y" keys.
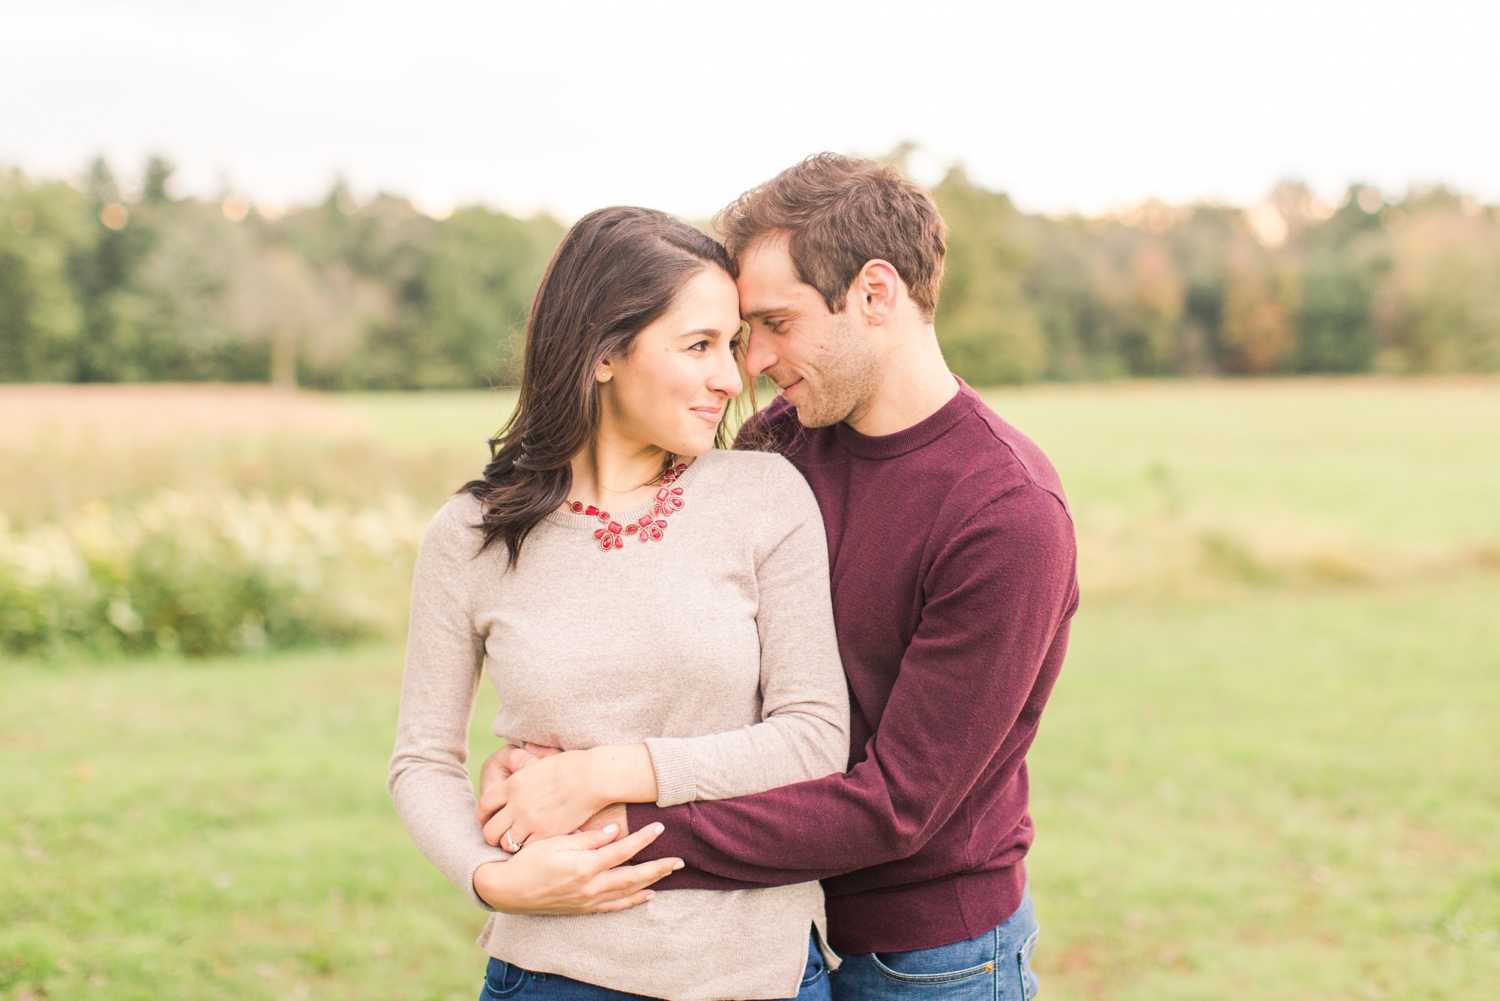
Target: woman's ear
{"x": 602, "y": 371}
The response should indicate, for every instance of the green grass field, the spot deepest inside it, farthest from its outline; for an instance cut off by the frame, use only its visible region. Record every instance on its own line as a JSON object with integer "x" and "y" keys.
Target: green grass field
{"x": 1271, "y": 769}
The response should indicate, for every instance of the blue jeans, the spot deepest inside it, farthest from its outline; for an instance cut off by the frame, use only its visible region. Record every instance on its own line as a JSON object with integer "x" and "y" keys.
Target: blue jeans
{"x": 996, "y": 966}
{"x": 503, "y": 981}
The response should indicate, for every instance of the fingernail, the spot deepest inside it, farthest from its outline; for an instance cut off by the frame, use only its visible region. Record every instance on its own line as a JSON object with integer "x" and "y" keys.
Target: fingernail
{"x": 678, "y": 864}
{"x": 611, "y": 828}
{"x": 650, "y": 894}
{"x": 659, "y": 827}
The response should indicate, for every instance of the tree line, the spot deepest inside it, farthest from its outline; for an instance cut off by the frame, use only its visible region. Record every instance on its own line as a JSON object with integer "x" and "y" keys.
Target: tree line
{"x": 345, "y": 294}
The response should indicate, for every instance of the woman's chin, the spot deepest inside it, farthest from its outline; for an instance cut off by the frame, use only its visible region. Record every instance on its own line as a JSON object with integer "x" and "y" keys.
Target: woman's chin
{"x": 690, "y": 445}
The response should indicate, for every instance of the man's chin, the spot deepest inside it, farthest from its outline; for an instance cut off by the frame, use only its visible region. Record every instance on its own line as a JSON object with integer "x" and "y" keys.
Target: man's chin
{"x": 812, "y": 417}
{"x": 811, "y": 411}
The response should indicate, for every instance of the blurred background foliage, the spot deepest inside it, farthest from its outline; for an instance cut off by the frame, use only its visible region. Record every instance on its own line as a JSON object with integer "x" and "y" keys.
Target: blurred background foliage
{"x": 101, "y": 285}
{"x": 97, "y": 287}
{"x": 1267, "y": 772}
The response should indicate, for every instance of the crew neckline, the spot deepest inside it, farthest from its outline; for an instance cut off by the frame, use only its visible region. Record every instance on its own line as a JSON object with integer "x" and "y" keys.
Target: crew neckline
{"x": 589, "y": 522}
{"x": 924, "y": 432}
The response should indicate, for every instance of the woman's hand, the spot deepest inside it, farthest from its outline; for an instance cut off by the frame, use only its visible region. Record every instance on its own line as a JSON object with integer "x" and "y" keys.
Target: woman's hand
{"x": 575, "y": 874}
{"x": 502, "y": 765}
{"x": 556, "y": 794}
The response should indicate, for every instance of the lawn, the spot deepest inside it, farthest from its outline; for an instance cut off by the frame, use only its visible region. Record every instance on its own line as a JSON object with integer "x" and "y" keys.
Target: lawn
{"x": 1271, "y": 769}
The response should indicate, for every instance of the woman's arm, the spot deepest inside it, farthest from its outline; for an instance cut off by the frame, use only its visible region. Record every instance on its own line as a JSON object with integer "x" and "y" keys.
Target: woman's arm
{"x": 804, "y": 696}
{"x": 804, "y": 733}
{"x": 429, "y": 780}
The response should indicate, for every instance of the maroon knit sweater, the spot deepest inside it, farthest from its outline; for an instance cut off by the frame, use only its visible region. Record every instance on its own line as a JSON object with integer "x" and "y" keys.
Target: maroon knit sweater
{"x": 954, "y": 579}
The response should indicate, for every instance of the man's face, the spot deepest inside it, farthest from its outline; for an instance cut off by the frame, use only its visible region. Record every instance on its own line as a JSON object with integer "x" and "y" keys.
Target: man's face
{"x": 824, "y": 363}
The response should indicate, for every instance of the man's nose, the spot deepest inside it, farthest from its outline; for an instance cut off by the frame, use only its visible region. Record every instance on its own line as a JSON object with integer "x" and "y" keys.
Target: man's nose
{"x": 758, "y": 354}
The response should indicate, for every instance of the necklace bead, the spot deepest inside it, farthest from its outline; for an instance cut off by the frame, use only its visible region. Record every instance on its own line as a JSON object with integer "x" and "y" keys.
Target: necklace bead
{"x": 648, "y": 527}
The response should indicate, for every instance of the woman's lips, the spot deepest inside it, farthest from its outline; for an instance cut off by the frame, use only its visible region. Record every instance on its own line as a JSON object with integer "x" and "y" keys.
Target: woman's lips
{"x": 709, "y": 413}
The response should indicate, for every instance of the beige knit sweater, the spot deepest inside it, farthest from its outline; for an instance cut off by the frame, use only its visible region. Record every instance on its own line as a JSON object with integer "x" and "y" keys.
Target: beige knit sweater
{"x": 714, "y": 646}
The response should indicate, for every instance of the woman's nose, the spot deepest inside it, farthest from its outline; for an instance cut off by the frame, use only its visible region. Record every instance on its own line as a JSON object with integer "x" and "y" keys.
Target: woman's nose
{"x": 726, "y": 377}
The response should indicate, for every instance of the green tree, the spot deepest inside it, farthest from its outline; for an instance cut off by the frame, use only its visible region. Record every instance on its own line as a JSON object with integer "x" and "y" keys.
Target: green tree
{"x": 1440, "y": 308}
{"x": 480, "y": 282}
{"x": 43, "y": 226}
{"x": 986, "y": 325}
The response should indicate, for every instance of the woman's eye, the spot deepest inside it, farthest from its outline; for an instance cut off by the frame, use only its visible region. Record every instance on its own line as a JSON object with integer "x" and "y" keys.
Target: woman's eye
{"x": 700, "y": 346}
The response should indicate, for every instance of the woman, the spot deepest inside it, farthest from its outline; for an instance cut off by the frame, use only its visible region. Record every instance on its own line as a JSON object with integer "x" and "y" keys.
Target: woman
{"x": 637, "y": 593}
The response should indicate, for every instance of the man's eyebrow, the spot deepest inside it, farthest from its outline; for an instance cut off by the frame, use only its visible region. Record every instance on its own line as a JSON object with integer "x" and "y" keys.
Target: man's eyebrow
{"x": 762, "y": 313}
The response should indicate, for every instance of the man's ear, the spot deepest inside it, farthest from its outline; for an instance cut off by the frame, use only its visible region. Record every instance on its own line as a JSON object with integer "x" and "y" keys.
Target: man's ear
{"x": 877, "y": 289}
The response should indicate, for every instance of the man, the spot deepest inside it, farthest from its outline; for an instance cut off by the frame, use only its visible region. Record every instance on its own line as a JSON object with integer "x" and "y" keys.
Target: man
{"x": 953, "y": 573}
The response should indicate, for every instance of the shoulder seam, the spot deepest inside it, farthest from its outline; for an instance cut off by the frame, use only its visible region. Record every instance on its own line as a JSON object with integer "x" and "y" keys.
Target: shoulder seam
{"x": 1029, "y": 484}
{"x": 1031, "y": 479}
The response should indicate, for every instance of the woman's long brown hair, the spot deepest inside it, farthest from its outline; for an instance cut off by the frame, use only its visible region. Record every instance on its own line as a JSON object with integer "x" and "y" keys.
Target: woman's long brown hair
{"x": 615, "y": 272}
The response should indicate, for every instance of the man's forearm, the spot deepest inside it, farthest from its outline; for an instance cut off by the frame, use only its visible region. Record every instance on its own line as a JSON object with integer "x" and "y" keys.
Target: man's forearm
{"x": 708, "y": 868}
{"x": 958, "y": 722}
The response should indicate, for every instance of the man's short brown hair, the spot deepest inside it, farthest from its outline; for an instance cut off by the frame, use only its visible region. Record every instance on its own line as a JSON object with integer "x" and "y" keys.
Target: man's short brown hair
{"x": 841, "y": 212}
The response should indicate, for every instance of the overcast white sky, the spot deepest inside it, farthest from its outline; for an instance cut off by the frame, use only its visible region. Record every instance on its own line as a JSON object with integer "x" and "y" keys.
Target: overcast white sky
{"x": 569, "y": 106}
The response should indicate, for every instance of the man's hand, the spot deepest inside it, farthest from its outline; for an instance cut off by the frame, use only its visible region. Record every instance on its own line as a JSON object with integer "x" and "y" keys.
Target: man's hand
{"x": 613, "y": 815}
{"x": 574, "y": 874}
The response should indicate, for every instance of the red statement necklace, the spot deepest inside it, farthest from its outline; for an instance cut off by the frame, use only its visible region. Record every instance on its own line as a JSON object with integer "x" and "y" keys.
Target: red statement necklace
{"x": 649, "y": 525}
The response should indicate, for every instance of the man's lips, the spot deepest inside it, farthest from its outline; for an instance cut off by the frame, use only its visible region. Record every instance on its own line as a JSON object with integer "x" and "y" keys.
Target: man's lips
{"x": 789, "y": 386}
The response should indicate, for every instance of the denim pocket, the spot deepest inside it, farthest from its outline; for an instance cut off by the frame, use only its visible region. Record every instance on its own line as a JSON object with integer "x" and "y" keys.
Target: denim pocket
{"x": 951, "y": 977}
{"x": 815, "y": 970}
{"x": 1029, "y": 982}
{"x": 501, "y": 980}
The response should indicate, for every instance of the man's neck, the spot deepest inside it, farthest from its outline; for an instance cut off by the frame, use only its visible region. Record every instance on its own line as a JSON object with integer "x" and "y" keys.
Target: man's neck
{"x": 915, "y": 384}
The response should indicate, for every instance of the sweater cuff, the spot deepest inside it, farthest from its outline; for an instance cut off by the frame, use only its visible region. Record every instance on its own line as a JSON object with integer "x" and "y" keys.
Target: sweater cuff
{"x": 672, "y": 759}
{"x": 480, "y": 857}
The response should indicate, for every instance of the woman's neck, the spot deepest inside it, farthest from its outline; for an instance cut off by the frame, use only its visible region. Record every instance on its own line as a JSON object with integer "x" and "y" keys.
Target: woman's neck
{"x": 616, "y": 475}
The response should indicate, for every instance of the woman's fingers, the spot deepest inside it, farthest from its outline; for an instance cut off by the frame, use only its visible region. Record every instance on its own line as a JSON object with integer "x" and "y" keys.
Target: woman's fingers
{"x": 496, "y": 827}
{"x": 624, "y": 850}
{"x": 490, "y": 777}
{"x": 628, "y": 879}
{"x": 491, "y": 800}
{"x": 586, "y": 841}
{"x": 499, "y": 767}
{"x": 620, "y": 904}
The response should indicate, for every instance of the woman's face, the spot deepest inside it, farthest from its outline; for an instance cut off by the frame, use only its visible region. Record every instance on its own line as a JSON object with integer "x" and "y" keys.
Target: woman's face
{"x": 670, "y": 391}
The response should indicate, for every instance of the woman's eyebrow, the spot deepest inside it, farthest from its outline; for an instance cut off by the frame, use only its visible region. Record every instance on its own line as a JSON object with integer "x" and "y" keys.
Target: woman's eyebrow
{"x": 703, "y": 332}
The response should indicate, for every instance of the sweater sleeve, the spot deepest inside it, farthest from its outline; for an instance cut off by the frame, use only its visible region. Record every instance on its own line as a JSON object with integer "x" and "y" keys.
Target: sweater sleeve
{"x": 429, "y": 780}
{"x": 995, "y": 597}
{"x": 804, "y": 732}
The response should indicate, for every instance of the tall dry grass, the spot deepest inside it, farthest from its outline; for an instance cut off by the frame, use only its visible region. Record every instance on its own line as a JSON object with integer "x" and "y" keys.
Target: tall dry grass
{"x": 204, "y": 519}
{"x": 213, "y": 518}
